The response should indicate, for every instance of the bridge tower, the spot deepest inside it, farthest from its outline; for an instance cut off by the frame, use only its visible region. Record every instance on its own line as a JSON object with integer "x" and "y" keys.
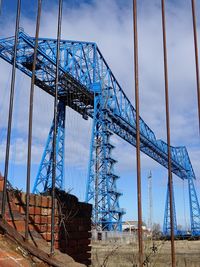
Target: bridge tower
{"x": 82, "y": 65}
{"x": 194, "y": 208}
{"x": 166, "y": 225}
{"x": 101, "y": 185}
{"x": 44, "y": 176}
{"x": 194, "y": 211}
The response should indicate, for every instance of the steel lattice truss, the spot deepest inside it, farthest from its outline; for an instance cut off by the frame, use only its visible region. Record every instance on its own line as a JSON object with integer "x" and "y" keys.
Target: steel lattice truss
{"x": 167, "y": 225}
{"x": 84, "y": 76}
{"x": 43, "y": 180}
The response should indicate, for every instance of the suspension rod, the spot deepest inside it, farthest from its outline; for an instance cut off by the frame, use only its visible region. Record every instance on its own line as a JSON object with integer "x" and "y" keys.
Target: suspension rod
{"x": 139, "y": 198}
{"x": 196, "y": 56}
{"x": 12, "y": 93}
{"x": 31, "y": 118}
{"x": 0, "y": 6}
{"x": 170, "y": 180}
{"x": 55, "y": 126}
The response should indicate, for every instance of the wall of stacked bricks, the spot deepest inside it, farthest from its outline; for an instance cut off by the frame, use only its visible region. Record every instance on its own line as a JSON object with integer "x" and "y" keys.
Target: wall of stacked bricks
{"x": 72, "y": 221}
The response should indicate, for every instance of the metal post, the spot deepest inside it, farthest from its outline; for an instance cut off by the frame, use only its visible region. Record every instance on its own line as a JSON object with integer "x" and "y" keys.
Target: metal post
{"x": 12, "y": 92}
{"x": 31, "y": 119}
{"x": 55, "y": 125}
{"x": 137, "y": 134}
{"x": 170, "y": 181}
{"x": 196, "y": 56}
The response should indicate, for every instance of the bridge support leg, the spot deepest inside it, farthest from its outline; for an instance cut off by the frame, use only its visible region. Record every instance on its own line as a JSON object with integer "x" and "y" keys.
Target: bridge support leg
{"x": 166, "y": 225}
{"x": 44, "y": 175}
{"x": 194, "y": 208}
{"x": 101, "y": 188}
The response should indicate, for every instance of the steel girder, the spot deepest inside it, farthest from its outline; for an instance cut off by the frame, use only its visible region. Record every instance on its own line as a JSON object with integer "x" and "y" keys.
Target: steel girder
{"x": 73, "y": 83}
{"x": 101, "y": 186}
{"x": 43, "y": 180}
{"x": 83, "y": 70}
{"x": 166, "y": 224}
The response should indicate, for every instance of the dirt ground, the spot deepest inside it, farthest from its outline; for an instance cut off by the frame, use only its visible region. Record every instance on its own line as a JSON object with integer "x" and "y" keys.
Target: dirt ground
{"x": 125, "y": 255}
{"x": 13, "y": 255}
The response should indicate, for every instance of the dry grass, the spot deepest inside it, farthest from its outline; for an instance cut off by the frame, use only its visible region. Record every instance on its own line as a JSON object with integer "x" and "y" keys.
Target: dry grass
{"x": 107, "y": 254}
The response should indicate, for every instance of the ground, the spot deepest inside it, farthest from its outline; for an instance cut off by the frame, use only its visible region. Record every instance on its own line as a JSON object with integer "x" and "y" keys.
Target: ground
{"x": 113, "y": 254}
{"x": 125, "y": 255}
{"x": 12, "y": 255}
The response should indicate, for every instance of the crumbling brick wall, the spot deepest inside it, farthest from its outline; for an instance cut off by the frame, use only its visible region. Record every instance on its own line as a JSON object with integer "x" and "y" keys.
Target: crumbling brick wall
{"x": 72, "y": 221}
{"x": 75, "y": 228}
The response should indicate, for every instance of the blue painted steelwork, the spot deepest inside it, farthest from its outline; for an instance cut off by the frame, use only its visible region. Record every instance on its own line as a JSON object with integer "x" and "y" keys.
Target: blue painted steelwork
{"x": 194, "y": 208}
{"x": 101, "y": 186}
{"x": 85, "y": 75}
{"x": 166, "y": 224}
{"x": 44, "y": 176}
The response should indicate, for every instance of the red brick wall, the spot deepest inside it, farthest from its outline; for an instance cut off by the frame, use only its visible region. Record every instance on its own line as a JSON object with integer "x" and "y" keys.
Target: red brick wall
{"x": 72, "y": 222}
{"x": 1, "y": 182}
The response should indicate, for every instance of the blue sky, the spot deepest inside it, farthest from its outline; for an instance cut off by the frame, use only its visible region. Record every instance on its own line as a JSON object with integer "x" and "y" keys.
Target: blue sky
{"x": 109, "y": 24}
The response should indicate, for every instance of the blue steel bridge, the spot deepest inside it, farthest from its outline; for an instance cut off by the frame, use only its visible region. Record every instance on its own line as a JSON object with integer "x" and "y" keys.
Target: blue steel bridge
{"x": 88, "y": 86}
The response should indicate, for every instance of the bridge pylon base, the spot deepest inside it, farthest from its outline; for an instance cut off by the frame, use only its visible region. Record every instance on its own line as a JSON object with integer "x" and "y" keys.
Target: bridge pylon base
{"x": 43, "y": 180}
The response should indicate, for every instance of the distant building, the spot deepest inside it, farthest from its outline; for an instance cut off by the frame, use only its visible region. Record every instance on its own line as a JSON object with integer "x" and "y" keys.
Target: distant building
{"x": 132, "y": 226}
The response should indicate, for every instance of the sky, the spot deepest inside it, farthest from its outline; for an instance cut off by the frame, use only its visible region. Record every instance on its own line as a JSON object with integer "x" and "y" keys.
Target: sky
{"x": 109, "y": 24}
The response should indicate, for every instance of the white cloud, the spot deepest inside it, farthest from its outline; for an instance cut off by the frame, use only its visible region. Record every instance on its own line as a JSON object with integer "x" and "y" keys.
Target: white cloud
{"x": 18, "y": 152}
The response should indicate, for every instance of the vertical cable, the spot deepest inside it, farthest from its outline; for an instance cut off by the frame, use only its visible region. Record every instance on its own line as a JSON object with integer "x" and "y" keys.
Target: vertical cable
{"x": 55, "y": 125}
{"x": 0, "y": 6}
{"x": 31, "y": 118}
{"x": 196, "y": 56}
{"x": 170, "y": 181}
{"x": 137, "y": 134}
{"x": 12, "y": 92}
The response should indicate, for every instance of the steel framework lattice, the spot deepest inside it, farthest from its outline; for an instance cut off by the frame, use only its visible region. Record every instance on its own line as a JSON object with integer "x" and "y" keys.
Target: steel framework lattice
{"x": 85, "y": 79}
{"x": 194, "y": 208}
{"x": 44, "y": 177}
{"x": 166, "y": 225}
{"x": 101, "y": 176}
